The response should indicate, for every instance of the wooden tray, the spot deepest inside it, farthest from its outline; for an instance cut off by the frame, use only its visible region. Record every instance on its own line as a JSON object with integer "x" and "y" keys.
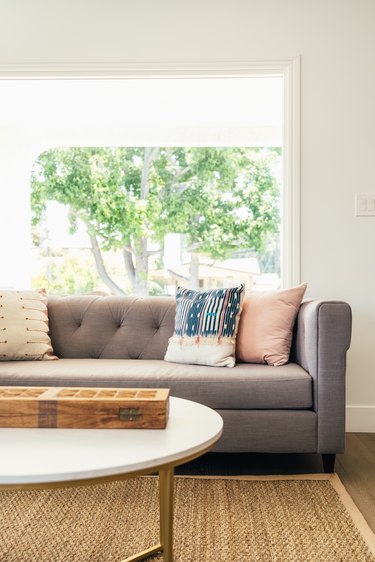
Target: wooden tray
{"x": 82, "y": 407}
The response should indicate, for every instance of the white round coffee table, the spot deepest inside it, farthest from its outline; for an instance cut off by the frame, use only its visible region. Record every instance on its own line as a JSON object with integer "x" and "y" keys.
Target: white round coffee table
{"x": 45, "y": 458}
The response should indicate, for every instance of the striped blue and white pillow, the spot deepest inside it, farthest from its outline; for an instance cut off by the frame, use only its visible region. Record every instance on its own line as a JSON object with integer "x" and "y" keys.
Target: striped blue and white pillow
{"x": 206, "y": 326}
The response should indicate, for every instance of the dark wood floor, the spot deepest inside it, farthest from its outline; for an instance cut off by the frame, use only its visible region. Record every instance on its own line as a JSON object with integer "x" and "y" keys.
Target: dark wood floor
{"x": 356, "y": 468}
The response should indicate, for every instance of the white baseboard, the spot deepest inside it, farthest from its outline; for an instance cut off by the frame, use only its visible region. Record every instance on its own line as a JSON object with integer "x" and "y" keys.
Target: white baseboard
{"x": 360, "y": 418}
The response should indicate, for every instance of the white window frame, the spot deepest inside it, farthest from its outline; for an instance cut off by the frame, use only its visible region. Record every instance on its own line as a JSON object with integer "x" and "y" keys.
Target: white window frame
{"x": 288, "y": 69}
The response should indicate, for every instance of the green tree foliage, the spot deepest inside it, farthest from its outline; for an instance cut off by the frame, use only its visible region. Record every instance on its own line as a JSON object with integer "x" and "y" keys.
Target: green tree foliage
{"x": 69, "y": 276}
{"x": 222, "y": 199}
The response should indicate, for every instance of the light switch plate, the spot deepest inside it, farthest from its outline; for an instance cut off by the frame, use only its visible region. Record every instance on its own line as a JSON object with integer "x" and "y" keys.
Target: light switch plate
{"x": 365, "y": 204}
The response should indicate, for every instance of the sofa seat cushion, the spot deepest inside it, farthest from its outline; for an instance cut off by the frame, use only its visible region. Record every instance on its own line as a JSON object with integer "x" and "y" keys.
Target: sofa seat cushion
{"x": 246, "y": 386}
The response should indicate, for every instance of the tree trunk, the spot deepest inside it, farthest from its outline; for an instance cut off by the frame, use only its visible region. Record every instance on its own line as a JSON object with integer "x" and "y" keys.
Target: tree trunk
{"x": 141, "y": 269}
{"x": 149, "y": 156}
{"x": 129, "y": 267}
{"x": 100, "y": 267}
{"x": 141, "y": 252}
{"x": 138, "y": 273}
{"x": 194, "y": 270}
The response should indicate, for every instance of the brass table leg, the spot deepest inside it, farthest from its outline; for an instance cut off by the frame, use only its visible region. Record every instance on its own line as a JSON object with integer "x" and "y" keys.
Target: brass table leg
{"x": 166, "y": 520}
{"x": 166, "y": 511}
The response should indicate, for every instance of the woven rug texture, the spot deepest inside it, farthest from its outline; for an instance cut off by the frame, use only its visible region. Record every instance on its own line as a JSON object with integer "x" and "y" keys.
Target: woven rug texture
{"x": 215, "y": 520}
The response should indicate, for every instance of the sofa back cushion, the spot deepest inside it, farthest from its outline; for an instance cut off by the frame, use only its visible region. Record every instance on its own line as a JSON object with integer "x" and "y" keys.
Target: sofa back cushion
{"x": 91, "y": 326}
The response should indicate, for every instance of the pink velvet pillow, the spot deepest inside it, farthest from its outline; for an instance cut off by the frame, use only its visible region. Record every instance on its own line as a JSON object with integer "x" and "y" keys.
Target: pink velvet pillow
{"x": 266, "y": 326}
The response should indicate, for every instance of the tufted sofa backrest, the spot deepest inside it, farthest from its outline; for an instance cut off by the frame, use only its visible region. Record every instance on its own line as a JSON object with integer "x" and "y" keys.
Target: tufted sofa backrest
{"x": 91, "y": 326}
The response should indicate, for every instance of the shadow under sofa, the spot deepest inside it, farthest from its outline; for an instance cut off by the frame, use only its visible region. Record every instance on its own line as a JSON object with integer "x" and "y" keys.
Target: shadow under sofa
{"x": 121, "y": 342}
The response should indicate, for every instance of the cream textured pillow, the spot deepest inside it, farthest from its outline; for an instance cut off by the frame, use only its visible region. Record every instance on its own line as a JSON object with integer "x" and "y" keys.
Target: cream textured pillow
{"x": 24, "y": 327}
{"x": 205, "y": 327}
{"x": 266, "y": 326}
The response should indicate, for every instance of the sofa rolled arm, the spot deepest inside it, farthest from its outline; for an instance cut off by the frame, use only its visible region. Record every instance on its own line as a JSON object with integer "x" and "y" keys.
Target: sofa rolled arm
{"x": 321, "y": 340}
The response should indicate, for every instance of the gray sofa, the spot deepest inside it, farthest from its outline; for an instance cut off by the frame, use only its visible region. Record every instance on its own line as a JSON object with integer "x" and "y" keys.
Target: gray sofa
{"x": 121, "y": 342}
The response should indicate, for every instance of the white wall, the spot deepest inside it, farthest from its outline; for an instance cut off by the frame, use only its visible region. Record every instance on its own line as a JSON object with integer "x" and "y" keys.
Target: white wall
{"x": 336, "y": 42}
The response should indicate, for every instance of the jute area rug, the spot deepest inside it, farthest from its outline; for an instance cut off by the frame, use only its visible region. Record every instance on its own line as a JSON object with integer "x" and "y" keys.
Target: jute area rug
{"x": 283, "y": 519}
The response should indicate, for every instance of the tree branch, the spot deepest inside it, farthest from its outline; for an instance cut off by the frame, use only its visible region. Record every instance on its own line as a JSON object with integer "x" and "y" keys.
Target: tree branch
{"x": 181, "y": 172}
{"x": 149, "y": 156}
{"x": 154, "y": 152}
{"x": 194, "y": 246}
{"x": 181, "y": 187}
{"x": 129, "y": 265}
{"x": 128, "y": 249}
{"x": 100, "y": 267}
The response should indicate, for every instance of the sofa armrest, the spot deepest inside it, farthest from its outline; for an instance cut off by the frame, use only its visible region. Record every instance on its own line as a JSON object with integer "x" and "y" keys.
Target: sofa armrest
{"x": 320, "y": 343}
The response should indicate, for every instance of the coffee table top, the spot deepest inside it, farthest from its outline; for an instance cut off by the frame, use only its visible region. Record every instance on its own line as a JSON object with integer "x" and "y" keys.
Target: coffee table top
{"x": 42, "y": 456}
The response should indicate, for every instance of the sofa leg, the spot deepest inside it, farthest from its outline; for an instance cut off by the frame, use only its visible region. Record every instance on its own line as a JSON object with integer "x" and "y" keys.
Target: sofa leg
{"x": 328, "y": 462}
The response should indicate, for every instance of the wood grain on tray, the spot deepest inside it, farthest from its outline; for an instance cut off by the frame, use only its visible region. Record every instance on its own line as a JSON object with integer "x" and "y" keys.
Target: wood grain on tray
{"x": 83, "y": 407}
